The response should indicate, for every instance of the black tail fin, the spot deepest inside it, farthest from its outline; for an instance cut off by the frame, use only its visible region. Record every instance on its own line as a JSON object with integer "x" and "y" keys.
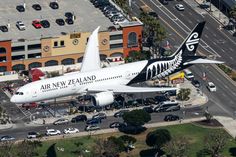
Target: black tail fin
{"x": 190, "y": 44}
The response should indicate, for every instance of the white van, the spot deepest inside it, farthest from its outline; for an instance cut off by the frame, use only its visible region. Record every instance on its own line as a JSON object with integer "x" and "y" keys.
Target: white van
{"x": 188, "y": 74}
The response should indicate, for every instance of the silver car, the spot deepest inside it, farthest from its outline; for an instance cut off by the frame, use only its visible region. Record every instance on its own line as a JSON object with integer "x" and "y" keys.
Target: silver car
{"x": 20, "y": 25}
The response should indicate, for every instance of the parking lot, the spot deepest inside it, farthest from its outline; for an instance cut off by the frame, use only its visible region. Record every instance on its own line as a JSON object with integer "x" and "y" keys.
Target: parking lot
{"x": 87, "y": 18}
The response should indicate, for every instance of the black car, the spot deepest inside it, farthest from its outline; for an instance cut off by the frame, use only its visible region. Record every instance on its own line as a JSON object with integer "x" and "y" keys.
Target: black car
{"x": 69, "y": 21}
{"x": 161, "y": 98}
{"x": 20, "y": 8}
{"x": 196, "y": 83}
{"x": 171, "y": 117}
{"x": 4, "y": 28}
{"x": 153, "y": 14}
{"x": 60, "y": 22}
{"x": 94, "y": 121}
{"x": 45, "y": 23}
{"x": 69, "y": 15}
{"x": 117, "y": 125}
{"x": 148, "y": 109}
{"x": 36, "y": 7}
{"x": 54, "y": 5}
{"x": 120, "y": 113}
{"x": 79, "y": 118}
{"x": 164, "y": 2}
{"x": 151, "y": 101}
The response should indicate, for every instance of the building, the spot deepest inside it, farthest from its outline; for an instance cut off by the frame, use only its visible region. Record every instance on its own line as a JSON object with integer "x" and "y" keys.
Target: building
{"x": 57, "y": 46}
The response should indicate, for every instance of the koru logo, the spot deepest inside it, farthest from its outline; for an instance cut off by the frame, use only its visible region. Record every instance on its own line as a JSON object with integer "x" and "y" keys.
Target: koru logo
{"x": 192, "y": 40}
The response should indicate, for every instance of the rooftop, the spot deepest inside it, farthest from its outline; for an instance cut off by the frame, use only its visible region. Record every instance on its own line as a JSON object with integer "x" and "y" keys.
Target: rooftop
{"x": 87, "y": 18}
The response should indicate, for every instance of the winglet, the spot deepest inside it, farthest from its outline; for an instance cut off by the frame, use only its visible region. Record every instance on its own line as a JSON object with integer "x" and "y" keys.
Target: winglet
{"x": 91, "y": 59}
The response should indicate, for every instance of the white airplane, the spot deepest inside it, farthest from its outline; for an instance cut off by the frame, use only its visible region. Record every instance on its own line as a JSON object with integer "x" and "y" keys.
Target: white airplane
{"x": 104, "y": 83}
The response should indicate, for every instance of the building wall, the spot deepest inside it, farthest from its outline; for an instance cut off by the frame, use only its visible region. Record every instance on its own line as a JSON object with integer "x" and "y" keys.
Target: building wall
{"x": 126, "y": 32}
{"x": 71, "y": 47}
{"x": 7, "y": 63}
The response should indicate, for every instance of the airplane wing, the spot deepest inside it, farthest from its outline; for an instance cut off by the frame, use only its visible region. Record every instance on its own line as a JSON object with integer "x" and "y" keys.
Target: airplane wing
{"x": 202, "y": 61}
{"x": 129, "y": 89}
{"x": 91, "y": 59}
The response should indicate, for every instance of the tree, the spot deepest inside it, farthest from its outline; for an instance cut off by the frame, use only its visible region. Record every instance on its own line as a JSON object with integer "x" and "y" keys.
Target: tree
{"x": 27, "y": 148}
{"x": 177, "y": 147}
{"x": 158, "y": 138}
{"x": 6, "y": 149}
{"x": 183, "y": 94}
{"x": 136, "y": 117}
{"x": 128, "y": 139}
{"x": 208, "y": 116}
{"x": 215, "y": 142}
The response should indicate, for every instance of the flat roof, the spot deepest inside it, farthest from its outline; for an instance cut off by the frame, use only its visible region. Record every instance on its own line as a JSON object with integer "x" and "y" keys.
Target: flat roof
{"x": 87, "y": 18}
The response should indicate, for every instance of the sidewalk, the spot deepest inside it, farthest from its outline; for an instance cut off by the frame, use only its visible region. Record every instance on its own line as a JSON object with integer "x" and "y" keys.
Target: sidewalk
{"x": 215, "y": 13}
{"x": 228, "y": 123}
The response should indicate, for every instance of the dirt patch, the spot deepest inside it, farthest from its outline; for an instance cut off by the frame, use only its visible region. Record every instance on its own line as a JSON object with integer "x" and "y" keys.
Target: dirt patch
{"x": 212, "y": 123}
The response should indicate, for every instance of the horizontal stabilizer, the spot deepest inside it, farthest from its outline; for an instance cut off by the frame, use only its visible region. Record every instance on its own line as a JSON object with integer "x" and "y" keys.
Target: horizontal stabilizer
{"x": 129, "y": 89}
{"x": 203, "y": 61}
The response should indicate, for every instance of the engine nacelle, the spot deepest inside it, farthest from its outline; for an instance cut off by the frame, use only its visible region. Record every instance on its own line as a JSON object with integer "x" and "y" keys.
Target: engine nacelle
{"x": 103, "y": 98}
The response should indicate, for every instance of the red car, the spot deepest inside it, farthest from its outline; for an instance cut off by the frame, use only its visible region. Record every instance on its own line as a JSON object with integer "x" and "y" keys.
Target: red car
{"x": 30, "y": 105}
{"x": 36, "y": 24}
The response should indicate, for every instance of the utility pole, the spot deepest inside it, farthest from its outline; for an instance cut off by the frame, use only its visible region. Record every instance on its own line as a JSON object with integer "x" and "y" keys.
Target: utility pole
{"x": 210, "y": 6}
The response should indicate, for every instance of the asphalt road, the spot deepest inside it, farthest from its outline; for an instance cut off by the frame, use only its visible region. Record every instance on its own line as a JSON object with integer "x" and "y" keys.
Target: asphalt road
{"x": 214, "y": 42}
{"x": 21, "y": 132}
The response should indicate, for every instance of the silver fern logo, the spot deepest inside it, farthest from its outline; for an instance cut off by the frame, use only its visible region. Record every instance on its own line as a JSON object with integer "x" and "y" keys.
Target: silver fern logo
{"x": 161, "y": 69}
{"x": 192, "y": 40}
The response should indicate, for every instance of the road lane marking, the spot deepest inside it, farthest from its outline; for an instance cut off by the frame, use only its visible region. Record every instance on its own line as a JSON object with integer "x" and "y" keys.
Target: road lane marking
{"x": 206, "y": 36}
{"x": 213, "y": 51}
{"x": 223, "y": 50}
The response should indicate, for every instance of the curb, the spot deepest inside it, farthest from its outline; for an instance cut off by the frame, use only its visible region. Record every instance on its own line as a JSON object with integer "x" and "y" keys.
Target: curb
{"x": 208, "y": 11}
{"x": 10, "y": 126}
{"x": 224, "y": 74}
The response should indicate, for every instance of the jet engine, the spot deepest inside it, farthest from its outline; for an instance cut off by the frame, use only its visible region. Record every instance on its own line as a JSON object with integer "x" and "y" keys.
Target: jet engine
{"x": 103, "y": 98}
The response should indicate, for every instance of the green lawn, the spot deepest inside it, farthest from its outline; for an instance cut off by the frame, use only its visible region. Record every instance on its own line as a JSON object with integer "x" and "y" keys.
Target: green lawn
{"x": 195, "y": 133}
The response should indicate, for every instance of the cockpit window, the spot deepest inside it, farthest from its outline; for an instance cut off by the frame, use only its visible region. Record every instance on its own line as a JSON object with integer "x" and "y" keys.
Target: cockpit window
{"x": 19, "y": 93}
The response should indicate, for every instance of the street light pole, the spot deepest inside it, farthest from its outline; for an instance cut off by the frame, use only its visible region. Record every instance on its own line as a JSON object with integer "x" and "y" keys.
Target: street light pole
{"x": 210, "y": 6}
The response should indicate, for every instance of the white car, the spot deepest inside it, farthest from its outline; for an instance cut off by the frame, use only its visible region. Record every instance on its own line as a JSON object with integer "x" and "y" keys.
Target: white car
{"x": 71, "y": 131}
{"x": 211, "y": 86}
{"x": 20, "y": 25}
{"x": 179, "y": 7}
{"x": 53, "y": 132}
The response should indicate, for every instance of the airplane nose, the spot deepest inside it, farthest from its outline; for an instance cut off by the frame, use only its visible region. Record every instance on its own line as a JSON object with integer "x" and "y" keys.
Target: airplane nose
{"x": 13, "y": 99}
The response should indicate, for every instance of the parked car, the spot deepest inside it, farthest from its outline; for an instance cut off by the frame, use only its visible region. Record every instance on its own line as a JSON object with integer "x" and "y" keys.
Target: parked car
{"x": 71, "y": 131}
{"x": 28, "y": 106}
{"x": 20, "y": 25}
{"x": 54, "y": 5}
{"x": 150, "y": 101}
{"x": 45, "y": 23}
{"x": 4, "y": 28}
{"x": 79, "y": 118}
{"x": 61, "y": 121}
{"x": 164, "y": 2}
{"x": 116, "y": 125}
{"x": 153, "y": 14}
{"x": 100, "y": 116}
{"x": 60, "y": 22}
{"x": 37, "y": 24}
{"x": 69, "y": 21}
{"x": 92, "y": 127}
{"x": 167, "y": 106}
{"x": 211, "y": 87}
{"x": 20, "y": 8}
{"x": 161, "y": 98}
{"x": 120, "y": 113}
{"x": 68, "y": 15}
{"x": 52, "y": 132}
{"x": 7, "y": 138}
{"x": 36, "y": 7}
{"x": 179, "y": 7}
{"x": 171, "y": 117}
{"x": 94, "y": 121}
{"x": 196, "y": 83}
{"x": 32, "y": 134}
{"x": 148, "y": 109}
